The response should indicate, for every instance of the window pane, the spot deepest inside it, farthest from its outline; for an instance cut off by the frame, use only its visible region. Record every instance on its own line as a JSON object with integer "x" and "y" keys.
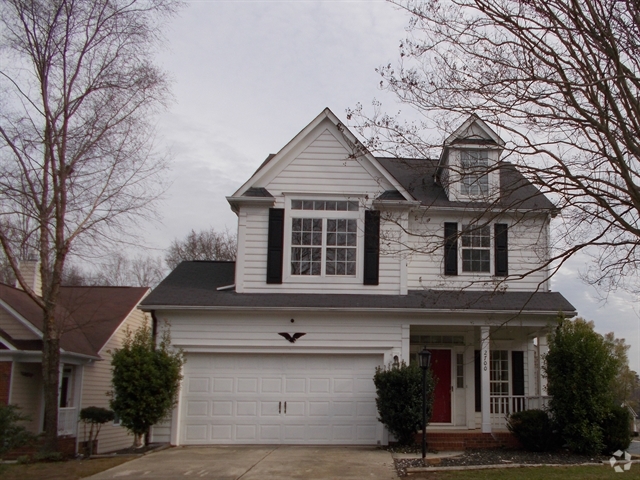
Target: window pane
{"x": 307, "y": 204}
{"x": 296, "y": 204}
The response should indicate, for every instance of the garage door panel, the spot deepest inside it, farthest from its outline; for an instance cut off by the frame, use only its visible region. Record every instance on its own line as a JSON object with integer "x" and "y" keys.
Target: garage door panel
{"x": 295, "y": 385}
{"x": 295, "y": 409}
{"x": 270, "y": 408}
{"x": 222, "y": 408}
{"x": 223, "y": 385}
{"x": 240, "y": 398}
{"x": 319, "y": 385}
{"x": 222, "y": 433}
{"x": 319, "y": 409}
{"x": 198, "y": 408}
{"x": 271, "y": 385}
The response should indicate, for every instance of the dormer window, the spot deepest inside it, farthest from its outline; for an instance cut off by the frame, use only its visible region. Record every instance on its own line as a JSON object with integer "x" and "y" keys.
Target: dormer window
{"x": 475, "y": 172}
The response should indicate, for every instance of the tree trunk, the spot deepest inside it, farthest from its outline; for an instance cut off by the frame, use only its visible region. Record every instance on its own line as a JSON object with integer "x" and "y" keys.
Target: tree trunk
{"x": 138, "y": 440}
{"x": 50, "y": 381}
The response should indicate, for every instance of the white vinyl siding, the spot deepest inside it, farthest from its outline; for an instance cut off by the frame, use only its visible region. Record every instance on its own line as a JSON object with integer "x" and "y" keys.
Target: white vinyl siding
{"x": 527, "y": 251}
{"x": 324, "y": 165}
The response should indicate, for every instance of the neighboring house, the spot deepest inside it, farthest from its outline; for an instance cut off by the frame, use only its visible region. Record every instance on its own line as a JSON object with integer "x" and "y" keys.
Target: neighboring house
{"x": 93, "y": 321}
{"x": 347, "y": 262}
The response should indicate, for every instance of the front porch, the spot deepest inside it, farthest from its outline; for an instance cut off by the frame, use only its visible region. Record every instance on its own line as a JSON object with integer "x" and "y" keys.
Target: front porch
{"x": 483, "y": 374}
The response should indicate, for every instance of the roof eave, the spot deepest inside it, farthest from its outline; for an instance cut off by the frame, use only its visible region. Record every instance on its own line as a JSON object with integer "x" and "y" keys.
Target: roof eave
{"x": 569, "y": 313}
{"x": 237, "y": 202}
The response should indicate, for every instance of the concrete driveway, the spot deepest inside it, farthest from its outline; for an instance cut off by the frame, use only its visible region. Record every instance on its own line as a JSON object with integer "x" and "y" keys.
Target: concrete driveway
{"x": 258, "y": 463}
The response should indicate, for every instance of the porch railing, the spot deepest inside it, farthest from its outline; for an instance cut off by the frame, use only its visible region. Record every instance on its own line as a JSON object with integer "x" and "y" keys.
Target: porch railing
{"x": 504, "y": 405}
{"x": 67, "y": 421}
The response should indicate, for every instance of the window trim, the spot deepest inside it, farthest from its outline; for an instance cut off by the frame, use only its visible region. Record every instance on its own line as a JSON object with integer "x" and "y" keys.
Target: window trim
{"x": 290, "y": 213}
{"x": 490, "y": 248}
{"x": 464, "y": 174}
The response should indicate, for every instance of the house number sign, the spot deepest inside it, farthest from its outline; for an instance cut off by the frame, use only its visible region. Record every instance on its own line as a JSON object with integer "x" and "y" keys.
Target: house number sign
{"x": 485, "y": 363}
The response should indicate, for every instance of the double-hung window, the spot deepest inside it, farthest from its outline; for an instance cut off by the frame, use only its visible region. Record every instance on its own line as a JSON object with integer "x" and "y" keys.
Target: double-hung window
{"x": 475, "y": 172}
{"x": 476, "y": 248}
{"x": 324, "y": 237}
{"x": 499, "y": 372}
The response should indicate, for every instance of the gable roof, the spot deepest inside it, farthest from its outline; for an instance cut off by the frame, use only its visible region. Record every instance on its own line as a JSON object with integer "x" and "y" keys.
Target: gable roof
{"x": 195, "y": 285}
{"x": 417, "y": 176}
{"x": 326, "y": 115}
{"x": 87, "y": 316}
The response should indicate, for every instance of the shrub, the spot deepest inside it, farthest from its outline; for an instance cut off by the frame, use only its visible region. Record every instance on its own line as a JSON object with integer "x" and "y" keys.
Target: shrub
{"x": 146, "y": 378}
{"x": 95, "y": 417}
{"x": 534, "y": 430}
{"x": 12, "y": 434}
{"x": 48, "y": 457}
{"x": 399, "y": 400}
{"x": 615, "y": 430}
{"x": 580, "y": 367}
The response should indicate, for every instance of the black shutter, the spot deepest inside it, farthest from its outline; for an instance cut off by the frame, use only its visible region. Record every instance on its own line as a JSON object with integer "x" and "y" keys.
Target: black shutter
{"x": 501, "y": 250}
{"x": 275, "y": 245}
{"x": 476, "y": 383}
{"x": 517, "y": 373}
{"x": 371, "y": 247}
{"x": 451, "y": 249}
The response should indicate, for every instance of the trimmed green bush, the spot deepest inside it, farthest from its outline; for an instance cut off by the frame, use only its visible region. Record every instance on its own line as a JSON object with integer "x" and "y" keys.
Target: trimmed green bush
{"x": 146, "y": 379}
{"x": 615, "y": 430}
{"x": 95, "y": 417}
{"x": 399, "y": 400}
{"x": 534, "y": 430}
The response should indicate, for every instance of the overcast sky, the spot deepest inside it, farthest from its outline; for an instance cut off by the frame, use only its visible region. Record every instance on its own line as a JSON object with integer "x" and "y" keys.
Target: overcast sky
{"x": 249, "y": 75}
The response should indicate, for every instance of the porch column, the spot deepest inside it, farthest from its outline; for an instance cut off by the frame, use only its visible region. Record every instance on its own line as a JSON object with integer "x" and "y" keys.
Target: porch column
{"x": 543, "y": 349}
{"x": 485, "y": 356}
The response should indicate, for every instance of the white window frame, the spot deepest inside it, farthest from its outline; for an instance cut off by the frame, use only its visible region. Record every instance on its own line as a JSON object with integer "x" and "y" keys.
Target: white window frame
{"x": 474, "y": 184}
{"x": 500, "y": 381}
{"x": 290, "y": 214}
{"x": 490, "y": 248}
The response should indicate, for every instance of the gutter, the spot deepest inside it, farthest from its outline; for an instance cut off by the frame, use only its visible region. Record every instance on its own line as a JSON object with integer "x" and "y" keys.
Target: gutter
{"x": 569, "y": 314}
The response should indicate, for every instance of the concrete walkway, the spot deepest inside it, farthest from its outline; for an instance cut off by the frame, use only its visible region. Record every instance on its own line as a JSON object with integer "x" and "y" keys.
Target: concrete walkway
{"x": 258, "y": 463}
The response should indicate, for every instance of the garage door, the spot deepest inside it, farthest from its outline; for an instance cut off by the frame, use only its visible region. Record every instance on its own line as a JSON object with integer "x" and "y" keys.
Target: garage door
{"x": 290, "y": 399}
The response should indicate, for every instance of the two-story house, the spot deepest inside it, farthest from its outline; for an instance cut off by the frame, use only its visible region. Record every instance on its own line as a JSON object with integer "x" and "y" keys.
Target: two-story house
{"x": 347, "y": 262}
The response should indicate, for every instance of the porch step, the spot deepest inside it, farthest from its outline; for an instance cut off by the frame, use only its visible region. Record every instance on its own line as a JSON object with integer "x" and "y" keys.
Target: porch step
{"x": 441, "y": 441}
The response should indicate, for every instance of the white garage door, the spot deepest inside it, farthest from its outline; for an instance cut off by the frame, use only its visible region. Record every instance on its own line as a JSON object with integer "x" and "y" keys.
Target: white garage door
{"x": 290, "y": 399}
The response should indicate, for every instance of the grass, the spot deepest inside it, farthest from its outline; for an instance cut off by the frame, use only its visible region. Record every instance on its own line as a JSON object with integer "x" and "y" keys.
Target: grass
{"x": 69, "y": 470}
{"x": 546, "y": 473}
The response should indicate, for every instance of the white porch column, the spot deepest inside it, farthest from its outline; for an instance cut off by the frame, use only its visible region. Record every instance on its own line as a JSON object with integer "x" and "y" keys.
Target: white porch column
{"x": 485, "y": 356}
{"x": 406, "y": 343}
{"x": 543, "y": 349}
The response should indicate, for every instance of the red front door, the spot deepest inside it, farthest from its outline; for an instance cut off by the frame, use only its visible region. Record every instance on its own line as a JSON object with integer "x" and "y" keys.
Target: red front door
{"x": 441, "y": 370}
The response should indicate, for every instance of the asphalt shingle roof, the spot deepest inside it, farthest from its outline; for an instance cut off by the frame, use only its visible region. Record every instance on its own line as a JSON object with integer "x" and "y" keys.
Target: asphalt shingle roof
{"x": 86, "y": 316}
{"x": 417, "y": 175}
{"x": 195, "y": 284}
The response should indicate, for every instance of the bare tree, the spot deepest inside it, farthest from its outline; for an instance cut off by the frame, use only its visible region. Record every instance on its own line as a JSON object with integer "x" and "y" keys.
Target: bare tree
{"x": 560, "y": 81}
{"x": 119, "y": 270}
{"x": 202, "y": 245}
{"x": 79, "y": 88}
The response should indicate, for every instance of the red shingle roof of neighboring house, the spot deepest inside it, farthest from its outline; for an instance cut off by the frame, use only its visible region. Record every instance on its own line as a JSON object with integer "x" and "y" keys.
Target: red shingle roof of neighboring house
{"x": 86, "y": 316}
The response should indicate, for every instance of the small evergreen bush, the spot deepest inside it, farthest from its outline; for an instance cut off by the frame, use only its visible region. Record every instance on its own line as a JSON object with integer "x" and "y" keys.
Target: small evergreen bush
{"x": 399, "y": 400}
{"x": 12, "y": 433}
{"x": 615, "y": 430}
{"x": 534, "y": 430}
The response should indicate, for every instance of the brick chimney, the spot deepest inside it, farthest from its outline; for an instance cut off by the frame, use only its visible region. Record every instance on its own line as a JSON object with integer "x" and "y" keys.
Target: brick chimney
{"x": 30, "y": 270}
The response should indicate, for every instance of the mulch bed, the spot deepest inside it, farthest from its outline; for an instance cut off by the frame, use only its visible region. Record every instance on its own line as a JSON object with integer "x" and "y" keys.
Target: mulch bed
{"x": 501, "y": 457}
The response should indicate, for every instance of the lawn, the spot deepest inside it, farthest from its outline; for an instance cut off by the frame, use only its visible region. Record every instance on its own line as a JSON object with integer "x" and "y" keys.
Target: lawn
{"x": 70, "y": 470}
{"x": 546, "y": 473}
